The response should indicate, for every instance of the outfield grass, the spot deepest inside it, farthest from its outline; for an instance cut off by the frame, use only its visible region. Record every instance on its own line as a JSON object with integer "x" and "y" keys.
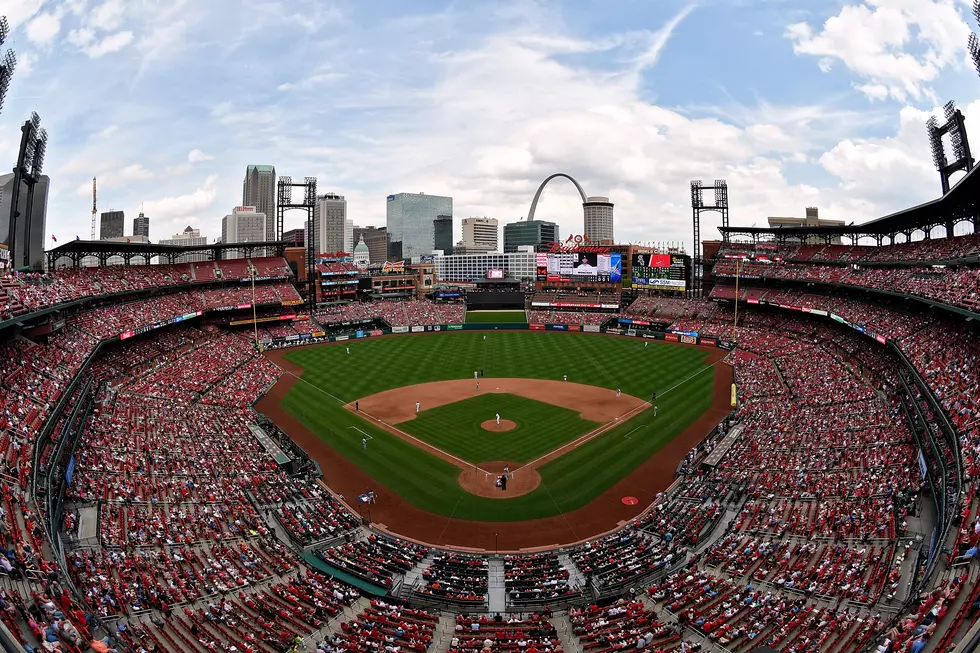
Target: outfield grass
{"x": 455, "y": 428}
{"x": 332, "y": 378}
{"x": 484, "y": 317}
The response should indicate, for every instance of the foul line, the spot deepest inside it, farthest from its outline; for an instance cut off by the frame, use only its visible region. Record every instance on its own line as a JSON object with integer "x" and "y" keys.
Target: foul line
{"x": 367, "y": 436}
{"x": 591, "y": 435}
{"x": 422, "y": 443}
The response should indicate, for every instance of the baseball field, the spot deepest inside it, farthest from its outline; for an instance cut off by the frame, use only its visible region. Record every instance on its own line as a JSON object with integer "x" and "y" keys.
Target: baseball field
{"x": 566, "y": 436}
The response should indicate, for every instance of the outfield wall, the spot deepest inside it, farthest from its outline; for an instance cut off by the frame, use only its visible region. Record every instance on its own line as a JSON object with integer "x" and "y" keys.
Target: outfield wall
{"x": 631, "y": 330}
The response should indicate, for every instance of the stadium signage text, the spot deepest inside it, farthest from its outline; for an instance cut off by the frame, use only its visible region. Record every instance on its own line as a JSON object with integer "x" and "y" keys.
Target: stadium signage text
{"x": 577, "y": 244}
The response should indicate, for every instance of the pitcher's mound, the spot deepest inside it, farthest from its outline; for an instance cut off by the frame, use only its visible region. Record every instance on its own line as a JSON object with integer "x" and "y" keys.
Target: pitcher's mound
{"x": 482, "y": 480}
{"x": 491, "y": 425}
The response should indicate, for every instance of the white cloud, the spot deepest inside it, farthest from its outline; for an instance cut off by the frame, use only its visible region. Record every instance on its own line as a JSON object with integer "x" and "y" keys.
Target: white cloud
{"x": 18, "y": 11}
{"x": 898, "y": 45}
{"x": 168, "y": 213}
{"x": 109, "y": 44}
{"x": 314, "y": 81}
{"x": 108, "y": 16}
{"x": 43, "y": 28}
{"x": 197, "y": 156}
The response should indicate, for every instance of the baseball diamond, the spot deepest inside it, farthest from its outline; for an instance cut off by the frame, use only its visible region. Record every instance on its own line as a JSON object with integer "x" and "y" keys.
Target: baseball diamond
{"x": 575, "y": 446}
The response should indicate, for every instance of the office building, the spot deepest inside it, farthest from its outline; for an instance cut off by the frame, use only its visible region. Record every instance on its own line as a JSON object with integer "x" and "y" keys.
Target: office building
{"x": 442, "y": 233}
{"x": 30, "y": 238}
{"x": 190, "y": 237}
{"x": 598, "y": 219}
{"x": 481, "y": 234}
{"x": 330, "y": 223}
{"x": 141, "y": 225}
{"x": 243, "y": 225}
{"x": 812, "y": 219}
{"x": 259, "y": 190}
{"x": 532, "y": 233}
{"x": 112, "y": 225}
{"x": 294, "y": 238}
{"x": 348, "y": 236}
{"x": 411, "y": 221}
{"x": 473, "y": 267}
{"x": 376, "y": 239}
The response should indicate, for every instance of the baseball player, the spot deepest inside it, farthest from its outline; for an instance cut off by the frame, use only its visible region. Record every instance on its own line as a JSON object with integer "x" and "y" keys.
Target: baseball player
{"x": 564, "y": 377}
{"x": 498, "y": 419}
{"x": 364, "y": 443}
{"x": 618, "y": 392}
{"x": 348, "y": 350}
{"x": 417, "y": 407}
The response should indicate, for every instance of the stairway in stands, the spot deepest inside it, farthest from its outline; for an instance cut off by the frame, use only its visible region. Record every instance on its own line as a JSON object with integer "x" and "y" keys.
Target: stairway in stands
{"x": 496, "y": 592}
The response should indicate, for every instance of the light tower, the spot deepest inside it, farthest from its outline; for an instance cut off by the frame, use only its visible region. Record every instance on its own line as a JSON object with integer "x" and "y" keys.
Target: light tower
{"x": 7, "y": 62}
{"x": 94, "y": 210}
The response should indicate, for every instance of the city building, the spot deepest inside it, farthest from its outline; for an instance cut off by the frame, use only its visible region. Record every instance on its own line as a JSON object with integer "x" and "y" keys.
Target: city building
{"x": 35, "y": 238}
{"x": 481, "y": 234}
{"x": 473, "y": 267}
{"x": 376, "y": 238}
{"x": 362, "y": 255}
{"x": 259, "y": 190}
{"x": 295, "y": 238}
{"x": 812, "y": 219}
{"x": 189, "y": 237}
{"x": 529, "y": 233}
{"x": 141, "y": 225}
{"x": 411, "y": 221}
{"x": 329, "y": 223}
{"x": 598, "y": 219}
{"x": 243, "y": 225}
{"x": 112, "y": 225}
{"x": 348, "y": 236}
{"x": 442, "y": 233}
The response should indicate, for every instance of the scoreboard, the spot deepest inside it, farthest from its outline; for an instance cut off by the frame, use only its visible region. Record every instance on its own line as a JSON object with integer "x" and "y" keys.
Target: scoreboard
{"x": 667, "y": 272}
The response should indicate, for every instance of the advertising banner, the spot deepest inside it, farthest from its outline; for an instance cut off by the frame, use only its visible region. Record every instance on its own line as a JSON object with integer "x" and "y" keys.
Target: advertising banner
{"x": 574, "y": 327}
{"x": 689, "y": 340}
{"x": 672, "y": 337}
{"x": 591, "y": 328}
{"x": 724, "y": 344}
{"x": 711, "y": 342}
{"x": 558, "y": 327}
{"x": 341, "y": 338}
{"x": 454, "y": 327}
{"x": 536, "y": 327}
{"x": 375, "y": 332}
{"x": 437, "y": 328}
{"x": 359, "y": 334}
{"x": 317, "y": 334}
{"x": 418, "y": 329}
{"x": 399, "y": 329}
{"x": 615, "y": 331}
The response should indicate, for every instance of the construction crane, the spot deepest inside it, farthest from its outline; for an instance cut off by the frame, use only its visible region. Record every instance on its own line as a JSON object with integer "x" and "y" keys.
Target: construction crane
{"x": 94, "y": 210}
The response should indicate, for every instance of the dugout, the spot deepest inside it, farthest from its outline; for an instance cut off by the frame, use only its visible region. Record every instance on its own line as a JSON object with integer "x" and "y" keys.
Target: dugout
{"x": 495, "y": 294}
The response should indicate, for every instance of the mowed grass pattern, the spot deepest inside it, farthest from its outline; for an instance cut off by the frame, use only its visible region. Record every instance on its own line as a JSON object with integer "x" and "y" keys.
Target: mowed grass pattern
{"x": 500, "y": 317}
{"x": 456, "y": 428}
{"x": 331, "y": 378}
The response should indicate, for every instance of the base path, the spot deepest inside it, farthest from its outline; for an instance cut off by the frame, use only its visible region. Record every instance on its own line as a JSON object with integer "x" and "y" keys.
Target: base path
{"x": 393, "y": 513}
{"x": 590, "y": 402}
{"x": 491, "y": 425}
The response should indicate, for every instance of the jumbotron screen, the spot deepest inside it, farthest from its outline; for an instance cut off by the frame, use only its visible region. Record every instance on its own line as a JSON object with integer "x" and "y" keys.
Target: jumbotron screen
{"x": 580, "y": 266}
{"x": 661, "y": 271}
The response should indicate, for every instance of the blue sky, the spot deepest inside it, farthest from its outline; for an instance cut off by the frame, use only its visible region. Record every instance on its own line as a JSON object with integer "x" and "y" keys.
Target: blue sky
{"x": 795, "y": 102}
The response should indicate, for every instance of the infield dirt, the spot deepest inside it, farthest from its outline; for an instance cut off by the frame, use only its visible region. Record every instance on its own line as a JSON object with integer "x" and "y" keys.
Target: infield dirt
{"x": 393, "y": 513}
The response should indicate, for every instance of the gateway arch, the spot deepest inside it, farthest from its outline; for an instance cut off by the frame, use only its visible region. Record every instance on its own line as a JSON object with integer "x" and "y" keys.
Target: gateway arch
{"x": 597, "y": 211}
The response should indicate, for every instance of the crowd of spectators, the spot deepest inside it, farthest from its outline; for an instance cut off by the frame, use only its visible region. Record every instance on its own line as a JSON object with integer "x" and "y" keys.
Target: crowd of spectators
{"x": 554, "y": 316}
{"x": 537, "y": 578}
{"x": 395, "y": 313}
{"x": 455, "y": 577}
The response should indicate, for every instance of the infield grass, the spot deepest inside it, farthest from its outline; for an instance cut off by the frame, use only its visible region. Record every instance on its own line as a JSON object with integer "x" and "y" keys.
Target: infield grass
{"x": 456, "y": 428}
{"x": 332, "y": 378}
{"x": 487, "y": 317}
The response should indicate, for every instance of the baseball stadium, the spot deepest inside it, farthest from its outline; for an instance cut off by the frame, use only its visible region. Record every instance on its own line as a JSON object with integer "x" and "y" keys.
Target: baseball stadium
{"x": 583, "y": 446}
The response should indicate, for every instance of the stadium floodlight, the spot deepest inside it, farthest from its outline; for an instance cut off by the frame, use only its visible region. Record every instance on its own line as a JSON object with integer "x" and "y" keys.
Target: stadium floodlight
{"x": 949, "y": 110}
{"x": 697, "y": 197}
{"x": 973, "y": 45}
{"x": 936, "y": 143}
{"x": 4, "y": 29}
{"x": 40, "y": 147}
{"x": 976, "y": 10}
{"x": 7, "y": 65}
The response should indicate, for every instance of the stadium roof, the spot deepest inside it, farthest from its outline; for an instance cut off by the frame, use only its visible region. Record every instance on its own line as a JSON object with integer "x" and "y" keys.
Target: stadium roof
{"x": 959, "y": 204}
{"x": 101, "y": 249}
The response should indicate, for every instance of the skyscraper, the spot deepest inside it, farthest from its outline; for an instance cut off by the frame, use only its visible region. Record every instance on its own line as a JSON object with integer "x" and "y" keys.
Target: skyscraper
{"x": 598, "y": 219}
{"x": 442, "y": 234}
{"x": 348, "y": 236}
{"x": 411, "y": 223}
{"x": 376, "y": 238}
{"x": 141, "y": 225}
{"x": 112, "y": 224}
{"x": 480, "y": 234}
{"x": 33, "y": 241}
{"x": 243, "y": 225}
{"x": 330, "y": 223}
{"x": 529, "y": 232}
{"x": 259, "y": 190}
